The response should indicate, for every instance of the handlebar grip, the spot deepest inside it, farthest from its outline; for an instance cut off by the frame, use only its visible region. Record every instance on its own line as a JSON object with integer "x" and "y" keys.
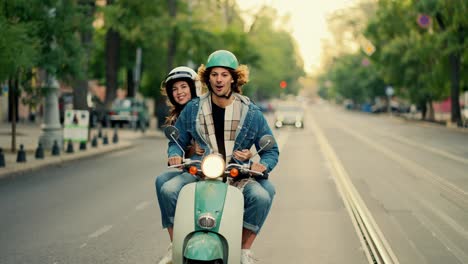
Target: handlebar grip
{"x": 263, "y": 176}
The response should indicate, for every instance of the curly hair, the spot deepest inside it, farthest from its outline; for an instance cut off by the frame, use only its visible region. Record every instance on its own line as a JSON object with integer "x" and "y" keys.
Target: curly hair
{"x": 240, "y": 77}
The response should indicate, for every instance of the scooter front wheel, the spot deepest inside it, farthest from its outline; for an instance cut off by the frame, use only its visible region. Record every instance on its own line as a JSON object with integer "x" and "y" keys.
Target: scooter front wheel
{"x": 192, "y": 261}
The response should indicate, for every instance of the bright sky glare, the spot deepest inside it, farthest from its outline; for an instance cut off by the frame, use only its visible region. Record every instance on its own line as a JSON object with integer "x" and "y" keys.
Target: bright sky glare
{"x": 308, "y": 23}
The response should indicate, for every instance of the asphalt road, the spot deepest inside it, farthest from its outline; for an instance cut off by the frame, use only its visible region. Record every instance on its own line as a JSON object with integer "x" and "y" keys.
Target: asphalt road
{"x": 411, "y": 178}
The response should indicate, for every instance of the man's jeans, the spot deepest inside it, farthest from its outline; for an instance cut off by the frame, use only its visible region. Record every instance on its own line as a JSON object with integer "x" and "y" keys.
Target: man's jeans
{"x": 258, "y": 198}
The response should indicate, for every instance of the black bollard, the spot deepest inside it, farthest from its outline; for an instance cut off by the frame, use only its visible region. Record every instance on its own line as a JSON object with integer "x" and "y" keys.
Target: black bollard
{"x": 94, "y": 142}
{"x": 70, "y": 147}
{"x": 21, "y": 157}
{"x": 105, "y": 139}
{"x": 55, "y": 149}
{"x": 39, "y": 152}
{"x": 83, "y": 145}
{"x": 2, "y": 158}
{"x": 115, "y": 138}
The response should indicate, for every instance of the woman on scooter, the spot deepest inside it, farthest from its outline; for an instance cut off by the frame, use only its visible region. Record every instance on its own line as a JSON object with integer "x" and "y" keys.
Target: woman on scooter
{"x": 204, "y": 119}
{"x": 180, "y": 86}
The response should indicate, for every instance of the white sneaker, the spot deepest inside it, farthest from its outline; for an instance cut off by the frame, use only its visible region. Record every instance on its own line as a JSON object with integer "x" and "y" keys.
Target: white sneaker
{"x": 167, "y": 259}
{"x": 247, "y": 257}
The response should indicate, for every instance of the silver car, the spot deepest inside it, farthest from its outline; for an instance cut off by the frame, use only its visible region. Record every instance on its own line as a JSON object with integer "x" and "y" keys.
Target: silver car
{"x": 289, "y": 115}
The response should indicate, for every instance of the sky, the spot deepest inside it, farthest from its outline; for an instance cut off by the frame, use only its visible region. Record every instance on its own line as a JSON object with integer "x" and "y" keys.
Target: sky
{"x": 308, "y": 23}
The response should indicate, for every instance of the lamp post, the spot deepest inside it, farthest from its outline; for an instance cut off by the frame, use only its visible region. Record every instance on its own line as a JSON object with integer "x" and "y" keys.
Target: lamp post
{"x": 51, "y": 127}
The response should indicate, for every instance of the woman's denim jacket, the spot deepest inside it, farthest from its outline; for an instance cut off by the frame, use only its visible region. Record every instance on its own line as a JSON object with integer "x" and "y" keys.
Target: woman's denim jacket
{"x": 252, "y": 127}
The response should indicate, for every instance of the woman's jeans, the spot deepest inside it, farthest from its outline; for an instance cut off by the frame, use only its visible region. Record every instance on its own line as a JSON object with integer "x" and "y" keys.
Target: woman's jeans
{"x": 168, "y": 186}
{"x": 258, "y": 198}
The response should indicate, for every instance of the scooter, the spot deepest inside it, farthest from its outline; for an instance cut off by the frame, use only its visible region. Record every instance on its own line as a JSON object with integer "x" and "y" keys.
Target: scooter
{"x": 209, "y": 213}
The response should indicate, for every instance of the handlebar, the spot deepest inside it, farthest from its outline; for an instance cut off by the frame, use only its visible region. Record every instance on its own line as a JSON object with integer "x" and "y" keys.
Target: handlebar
{"x": 244, "y": 169}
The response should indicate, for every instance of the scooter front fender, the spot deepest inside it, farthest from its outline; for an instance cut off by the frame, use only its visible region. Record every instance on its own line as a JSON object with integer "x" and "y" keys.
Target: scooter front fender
{"x": 205, "y": 246}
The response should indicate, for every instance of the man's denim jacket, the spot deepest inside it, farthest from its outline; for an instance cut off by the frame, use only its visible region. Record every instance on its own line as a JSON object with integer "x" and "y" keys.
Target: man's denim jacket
{"x": 252, "y": 127}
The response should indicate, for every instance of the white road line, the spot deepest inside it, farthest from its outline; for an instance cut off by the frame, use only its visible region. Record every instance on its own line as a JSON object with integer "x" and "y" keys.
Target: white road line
{"x": 142, "y": 205}
{"x": 353, "y": 201}
{"x": 100, "y": 231}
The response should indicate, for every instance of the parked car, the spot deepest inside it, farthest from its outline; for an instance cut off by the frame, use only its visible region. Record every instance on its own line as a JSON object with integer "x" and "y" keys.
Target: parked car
{"x": 131, "y": 111}
{"x": 289, "y": 114}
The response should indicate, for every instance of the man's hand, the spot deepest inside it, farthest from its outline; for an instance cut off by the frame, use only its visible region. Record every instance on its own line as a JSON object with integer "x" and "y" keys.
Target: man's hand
{"x": 242, "y": 155}
{"x": 175, "y": 160}
{"x": 258, "y": 167}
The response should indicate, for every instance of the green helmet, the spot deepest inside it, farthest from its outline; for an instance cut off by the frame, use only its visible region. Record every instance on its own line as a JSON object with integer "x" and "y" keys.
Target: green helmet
{"x": 222, "y": 58}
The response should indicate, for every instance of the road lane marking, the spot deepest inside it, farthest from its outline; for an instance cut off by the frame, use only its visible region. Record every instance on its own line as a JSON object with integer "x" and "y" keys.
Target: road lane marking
{"x": 412, "y": 166}
{"x": 142, "y": 205}
{"x": 100, "y": 231}
{"x": 378, "y": 248}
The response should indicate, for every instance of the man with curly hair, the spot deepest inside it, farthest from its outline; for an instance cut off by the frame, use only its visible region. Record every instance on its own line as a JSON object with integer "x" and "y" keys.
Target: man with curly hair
{"x": 226, "y": 122}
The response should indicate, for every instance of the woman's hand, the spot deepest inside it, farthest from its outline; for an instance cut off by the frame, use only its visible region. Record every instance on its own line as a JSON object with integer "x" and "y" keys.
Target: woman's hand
{"x": 198, "y": 150}
{"x": 242, "y": 155}
{"x": 175, "y": 160}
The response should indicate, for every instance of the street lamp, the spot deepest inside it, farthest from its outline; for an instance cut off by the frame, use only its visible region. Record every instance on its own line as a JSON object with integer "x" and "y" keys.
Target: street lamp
{"x": 51, "y": 127}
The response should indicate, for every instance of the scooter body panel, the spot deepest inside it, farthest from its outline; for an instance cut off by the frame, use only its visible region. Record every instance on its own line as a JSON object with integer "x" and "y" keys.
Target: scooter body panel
{"x": 227, "y": 204}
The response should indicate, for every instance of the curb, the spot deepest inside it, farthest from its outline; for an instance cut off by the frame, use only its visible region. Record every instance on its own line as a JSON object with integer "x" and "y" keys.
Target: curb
{"x": 18, "y": 169}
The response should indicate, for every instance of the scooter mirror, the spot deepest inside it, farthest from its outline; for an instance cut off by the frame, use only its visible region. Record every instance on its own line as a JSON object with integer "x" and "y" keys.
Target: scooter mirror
{"x": 266, "y": 142}
{"x": 171, "y": 132}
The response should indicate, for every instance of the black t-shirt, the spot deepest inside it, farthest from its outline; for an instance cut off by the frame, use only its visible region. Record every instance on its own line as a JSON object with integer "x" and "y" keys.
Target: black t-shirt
{"x": 218, "y": 120}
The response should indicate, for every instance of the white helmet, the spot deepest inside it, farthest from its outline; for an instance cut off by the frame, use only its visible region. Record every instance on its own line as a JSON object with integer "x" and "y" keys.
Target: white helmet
{"x": 184, "y": 72}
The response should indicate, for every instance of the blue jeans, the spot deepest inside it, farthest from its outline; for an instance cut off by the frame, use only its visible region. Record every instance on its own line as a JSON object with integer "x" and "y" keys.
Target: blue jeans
{"x": 258, "y": 198}
{"x": 168, "y": 186}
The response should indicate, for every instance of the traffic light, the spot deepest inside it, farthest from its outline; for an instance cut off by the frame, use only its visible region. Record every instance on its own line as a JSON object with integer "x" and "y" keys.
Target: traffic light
{"x": 283, "y": 84}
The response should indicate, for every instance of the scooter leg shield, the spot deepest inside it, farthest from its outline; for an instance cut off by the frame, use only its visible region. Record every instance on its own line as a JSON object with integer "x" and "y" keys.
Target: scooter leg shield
{"x": 205, "y": 246}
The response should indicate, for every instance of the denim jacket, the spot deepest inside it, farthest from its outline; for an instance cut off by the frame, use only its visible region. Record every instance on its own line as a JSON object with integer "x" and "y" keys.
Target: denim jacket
{"x": 252, "y": 127}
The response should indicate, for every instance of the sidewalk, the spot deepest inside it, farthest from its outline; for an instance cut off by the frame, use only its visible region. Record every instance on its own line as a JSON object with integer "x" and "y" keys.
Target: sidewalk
{"x": 28, "y": 134}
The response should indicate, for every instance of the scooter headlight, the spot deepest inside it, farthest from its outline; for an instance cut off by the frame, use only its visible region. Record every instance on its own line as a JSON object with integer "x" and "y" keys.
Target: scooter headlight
{"x": 206, "y": 221}
{"x": 213, "y": 166}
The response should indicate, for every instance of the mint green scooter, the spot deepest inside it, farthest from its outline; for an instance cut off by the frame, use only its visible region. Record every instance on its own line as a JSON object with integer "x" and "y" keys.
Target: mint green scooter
{"x": 208, "y": 218}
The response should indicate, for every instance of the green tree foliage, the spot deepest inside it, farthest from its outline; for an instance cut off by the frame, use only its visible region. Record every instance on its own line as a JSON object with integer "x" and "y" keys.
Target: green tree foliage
{"x": 278, "y": 58}
{"x": 44, "y": 33}
{"x": 424, "y": 63}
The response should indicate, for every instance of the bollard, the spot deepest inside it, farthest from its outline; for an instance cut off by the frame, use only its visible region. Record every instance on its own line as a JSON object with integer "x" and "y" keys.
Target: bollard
{"x": 115, "y": 138}
{"x": 83, "y": 145}
{"x": 105, "y": 139}
{"x": 70, "y": 147}
{"x": 94, "y": 142}
{"x": 39, "y": 152}
{"x": 2, "y": 158}
{"x": 55, "y": 149}
{"x": 21, "y": 157}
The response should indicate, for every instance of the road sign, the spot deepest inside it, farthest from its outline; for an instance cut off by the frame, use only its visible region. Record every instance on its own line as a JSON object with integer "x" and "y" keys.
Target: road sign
{"x": 424, "y": 20}
{"x": 76, "y": 125}
{"x": 389, "y": 91}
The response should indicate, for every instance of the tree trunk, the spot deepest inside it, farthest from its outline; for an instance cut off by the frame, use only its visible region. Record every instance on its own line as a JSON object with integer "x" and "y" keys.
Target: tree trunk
{"x": 160, "y": 104}
{"x": 455, "y": 88}
{"x": 112, "y": 65}
{"x": 13, "y": 112}
{"x": 130, "y": 83}
{"x": 80, "y": 86}
{"x": 431, "y": 112}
